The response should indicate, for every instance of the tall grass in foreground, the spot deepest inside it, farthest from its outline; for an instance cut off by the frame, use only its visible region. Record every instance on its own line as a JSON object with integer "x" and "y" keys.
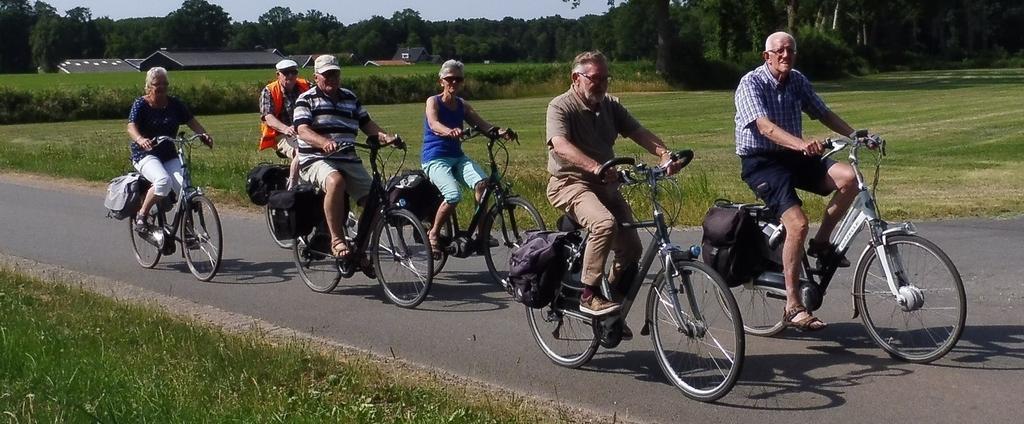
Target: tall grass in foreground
{"x": 67, "y": 355}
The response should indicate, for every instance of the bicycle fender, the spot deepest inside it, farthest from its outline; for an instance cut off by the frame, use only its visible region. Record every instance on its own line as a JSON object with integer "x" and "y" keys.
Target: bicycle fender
{"x": 861, "y": 261}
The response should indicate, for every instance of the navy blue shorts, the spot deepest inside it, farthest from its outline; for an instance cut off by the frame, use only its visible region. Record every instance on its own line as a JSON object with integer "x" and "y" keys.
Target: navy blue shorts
{"x": 775, "y": 176}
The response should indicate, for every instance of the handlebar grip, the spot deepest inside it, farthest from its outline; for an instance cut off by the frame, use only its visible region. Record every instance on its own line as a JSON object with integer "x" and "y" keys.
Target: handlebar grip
{"x": 398, "y": 142}
{"x": 686, "y": 156}
{"x": 612, "y": 163}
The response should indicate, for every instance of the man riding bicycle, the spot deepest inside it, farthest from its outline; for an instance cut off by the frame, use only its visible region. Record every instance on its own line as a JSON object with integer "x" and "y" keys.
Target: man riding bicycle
{"x": 582, "y": 125}
{"x": 328, "y": 118}
{"x": 777, "y": 160}
{"x": 277, "y": 102}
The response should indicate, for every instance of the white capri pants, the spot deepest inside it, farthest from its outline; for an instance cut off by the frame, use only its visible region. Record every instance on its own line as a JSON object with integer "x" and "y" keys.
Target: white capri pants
{"x": 159, "y": 174}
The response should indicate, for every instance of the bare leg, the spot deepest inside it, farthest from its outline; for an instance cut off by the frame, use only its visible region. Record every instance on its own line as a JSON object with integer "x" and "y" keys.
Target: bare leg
{"x": 842, "y": 179}
{"x": 478, "y": 193}
{"x": 336, "y": 209}
{"x": 443, "y": 213}
{"x": 795, "y": 222}
{"x": 148, "y": 202}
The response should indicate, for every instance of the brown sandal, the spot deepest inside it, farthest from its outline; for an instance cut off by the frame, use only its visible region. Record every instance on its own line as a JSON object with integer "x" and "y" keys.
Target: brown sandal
{"x": 808, "y": 323}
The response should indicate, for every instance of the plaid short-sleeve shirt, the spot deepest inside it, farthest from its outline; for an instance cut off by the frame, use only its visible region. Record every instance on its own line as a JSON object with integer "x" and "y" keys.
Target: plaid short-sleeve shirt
{"x": 759, "y": 94}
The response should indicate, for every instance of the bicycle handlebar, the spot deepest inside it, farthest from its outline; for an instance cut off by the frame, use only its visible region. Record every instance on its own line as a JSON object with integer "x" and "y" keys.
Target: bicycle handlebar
{"x": 491, "y": 134}
{"x": 684, "y": 156}
{"x": 859, "y": 138}
{"x": 373, "y": 143}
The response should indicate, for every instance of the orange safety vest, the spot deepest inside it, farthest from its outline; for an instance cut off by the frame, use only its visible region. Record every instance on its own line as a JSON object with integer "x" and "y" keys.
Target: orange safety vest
{"x": 269, "y": 134}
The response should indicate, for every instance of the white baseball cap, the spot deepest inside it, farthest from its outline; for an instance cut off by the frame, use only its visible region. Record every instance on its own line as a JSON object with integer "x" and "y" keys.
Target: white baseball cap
{"x": 285, "y": 64}
{"x": 326, "y": 63}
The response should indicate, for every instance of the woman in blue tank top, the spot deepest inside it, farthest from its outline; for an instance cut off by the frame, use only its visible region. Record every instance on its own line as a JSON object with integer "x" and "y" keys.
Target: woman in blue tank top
{"x": 442, "y": 159}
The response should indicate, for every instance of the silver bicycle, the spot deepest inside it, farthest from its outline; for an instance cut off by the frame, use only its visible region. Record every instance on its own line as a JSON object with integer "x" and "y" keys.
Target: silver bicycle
{"x": 905, "y": 288}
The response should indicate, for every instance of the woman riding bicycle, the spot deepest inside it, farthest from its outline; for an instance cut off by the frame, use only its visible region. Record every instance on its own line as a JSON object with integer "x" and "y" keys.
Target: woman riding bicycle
{"x": 442, "y": 158}
{"x": 153, "y": 115}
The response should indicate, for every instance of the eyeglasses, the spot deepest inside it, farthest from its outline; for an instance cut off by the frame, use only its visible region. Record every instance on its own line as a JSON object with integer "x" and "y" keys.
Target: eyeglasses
{"x": 289, "y": 72}
{"x": 596, "y": 79}
{"x": 781, "y": 50}
{"x": 334, "y": 73}
{"x": 453, "y": 80}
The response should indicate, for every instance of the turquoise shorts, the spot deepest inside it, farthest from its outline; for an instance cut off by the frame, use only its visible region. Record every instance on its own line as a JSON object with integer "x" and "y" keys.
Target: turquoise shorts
{"x": 448, "y": 173}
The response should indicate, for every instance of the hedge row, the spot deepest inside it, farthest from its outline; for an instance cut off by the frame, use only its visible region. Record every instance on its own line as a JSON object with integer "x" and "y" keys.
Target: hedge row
{"x": 19, "y": 106}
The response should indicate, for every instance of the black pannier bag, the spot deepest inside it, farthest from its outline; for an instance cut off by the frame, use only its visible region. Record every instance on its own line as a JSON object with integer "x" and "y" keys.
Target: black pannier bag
{"x": 537, "y": 266}
{"x": 412, "y": 190}
{"x": 730, "y": 242}
{"x": 264, "y": 179}
{"x": 125, "y": 195}
{"x": 295, "y": 212}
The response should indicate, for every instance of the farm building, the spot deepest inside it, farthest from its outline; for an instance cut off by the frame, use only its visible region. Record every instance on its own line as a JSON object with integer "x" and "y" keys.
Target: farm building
{"x": 187, "y": 60}
{"x": 78, "y": 66}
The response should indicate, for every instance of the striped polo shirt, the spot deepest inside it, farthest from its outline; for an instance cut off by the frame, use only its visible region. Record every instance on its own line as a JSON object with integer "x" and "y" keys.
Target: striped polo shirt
{"x": 338, "y": 119}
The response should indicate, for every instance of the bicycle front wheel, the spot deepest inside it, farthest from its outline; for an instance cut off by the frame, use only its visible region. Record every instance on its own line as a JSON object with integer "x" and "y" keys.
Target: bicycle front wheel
{"x": 506, "y": 225}
{"x": 147, "y": 254}
{"x": 317, "y": 268}
{"x": 401, "y": 255}
{"x": 928, "y": 319}
{"x": 201, "y": 238}
{"x": 697, "y": 330}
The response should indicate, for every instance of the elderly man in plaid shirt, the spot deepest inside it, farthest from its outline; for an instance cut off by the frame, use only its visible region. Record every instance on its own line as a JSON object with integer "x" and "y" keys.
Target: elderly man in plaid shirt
{"x": 776, "y": 160}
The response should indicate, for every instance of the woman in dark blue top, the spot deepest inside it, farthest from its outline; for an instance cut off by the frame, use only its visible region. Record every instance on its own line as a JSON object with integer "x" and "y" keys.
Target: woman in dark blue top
{"x": 443, "y": 160}
{"x": 152, "y": 115}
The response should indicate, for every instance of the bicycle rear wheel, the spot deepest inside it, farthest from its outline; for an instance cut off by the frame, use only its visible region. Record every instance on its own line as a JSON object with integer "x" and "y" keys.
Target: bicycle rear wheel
{"x": 929, "y": 321}
{"x": 566, "y": 336}
{"x": 317, "y": 268}
{"x": 506, "y": 224}
{"x": 147, "y": 254}
{"x": 284, "y": 243}
{"x": 401, "y": 255}
{"x": 202, "y": 240}
{"x": 699, "y": 345}
{"x": 762, "y": 315}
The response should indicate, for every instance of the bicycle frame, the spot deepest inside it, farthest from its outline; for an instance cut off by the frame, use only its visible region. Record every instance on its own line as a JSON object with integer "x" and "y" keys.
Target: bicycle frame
{"x": 184, "y": 148}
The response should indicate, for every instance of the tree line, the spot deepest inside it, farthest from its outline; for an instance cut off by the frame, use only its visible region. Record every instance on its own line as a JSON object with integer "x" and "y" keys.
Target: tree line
{"x": 686, "y": 38}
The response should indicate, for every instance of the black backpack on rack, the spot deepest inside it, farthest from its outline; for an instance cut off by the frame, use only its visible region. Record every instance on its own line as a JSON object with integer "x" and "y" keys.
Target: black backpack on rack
{"x": 264, "y": 179}
{"x": 413, "y": 191}
{"x": 296, "y": 212}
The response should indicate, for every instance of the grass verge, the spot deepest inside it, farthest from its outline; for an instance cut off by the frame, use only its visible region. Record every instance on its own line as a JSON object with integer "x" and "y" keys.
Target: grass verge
{"x": 70, "y": 355}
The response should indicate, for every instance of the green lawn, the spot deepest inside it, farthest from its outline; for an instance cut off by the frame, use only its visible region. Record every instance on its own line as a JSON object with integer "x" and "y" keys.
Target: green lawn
{"x": 67, "y": 355}
{"x": 128, "y": 79}
{"x": 954, "y": 138}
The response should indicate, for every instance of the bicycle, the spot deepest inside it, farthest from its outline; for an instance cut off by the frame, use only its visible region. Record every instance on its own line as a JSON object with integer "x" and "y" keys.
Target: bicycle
{"x": 691, "y": 316}
{"x": 504, "y": 223}
{"x": 388, "y": 242}
{"x": 892, "y": 287}
{"x": 200, "y": 236}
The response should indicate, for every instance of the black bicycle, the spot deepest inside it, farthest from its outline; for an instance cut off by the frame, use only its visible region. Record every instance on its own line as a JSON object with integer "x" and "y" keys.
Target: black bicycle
{"x": 389, "y": 243}
{"x": 195, "y": 224}
{"x": 691, "y": 315}
{"x": 504, "y": 223}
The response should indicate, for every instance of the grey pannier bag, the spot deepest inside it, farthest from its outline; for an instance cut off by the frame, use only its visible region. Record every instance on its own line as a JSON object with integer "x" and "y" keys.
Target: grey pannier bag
{"x": 125, "y": 195}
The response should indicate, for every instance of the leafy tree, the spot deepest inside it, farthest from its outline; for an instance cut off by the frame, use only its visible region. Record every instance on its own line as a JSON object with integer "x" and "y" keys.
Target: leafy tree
{"x": 16, "y": 20}
{"x": 278, "y": 27}
{"x": 197, "y": 24}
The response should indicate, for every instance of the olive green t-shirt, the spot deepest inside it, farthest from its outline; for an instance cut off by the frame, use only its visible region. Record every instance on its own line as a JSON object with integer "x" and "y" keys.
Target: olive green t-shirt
{"x": 593, "y": 132}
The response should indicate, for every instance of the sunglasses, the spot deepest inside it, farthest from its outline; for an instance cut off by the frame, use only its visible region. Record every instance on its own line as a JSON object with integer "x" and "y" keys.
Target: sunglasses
{"x": 453, "y": 80}
{"x": 289, "y": 72}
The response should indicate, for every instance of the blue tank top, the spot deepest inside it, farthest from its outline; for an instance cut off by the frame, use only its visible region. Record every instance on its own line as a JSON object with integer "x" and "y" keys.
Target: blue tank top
{"x": 435, "y": 146}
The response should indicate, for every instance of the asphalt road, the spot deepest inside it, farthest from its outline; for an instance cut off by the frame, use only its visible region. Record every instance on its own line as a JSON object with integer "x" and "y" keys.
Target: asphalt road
{"x": 468, "y": 327}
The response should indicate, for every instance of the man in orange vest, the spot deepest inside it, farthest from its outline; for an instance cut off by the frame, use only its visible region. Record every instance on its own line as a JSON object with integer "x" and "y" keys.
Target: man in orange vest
{"x": 277, "y": 100}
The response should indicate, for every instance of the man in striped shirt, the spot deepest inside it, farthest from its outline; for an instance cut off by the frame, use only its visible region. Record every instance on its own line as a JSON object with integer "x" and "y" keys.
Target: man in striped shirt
{"x": 327, "y": 118}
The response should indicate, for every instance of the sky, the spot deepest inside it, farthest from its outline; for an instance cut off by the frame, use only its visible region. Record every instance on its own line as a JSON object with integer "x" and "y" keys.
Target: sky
{"x": 347, "y": 11}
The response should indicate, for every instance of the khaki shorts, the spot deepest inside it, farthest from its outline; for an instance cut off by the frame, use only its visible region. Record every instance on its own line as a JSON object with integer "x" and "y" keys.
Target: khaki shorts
{"x": 285, "y": 145}
{"x": 357, "y": 180}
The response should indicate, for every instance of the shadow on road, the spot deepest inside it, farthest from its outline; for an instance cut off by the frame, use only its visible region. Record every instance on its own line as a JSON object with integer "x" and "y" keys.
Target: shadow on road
{"x": 988, "y": 347}
{"x": 454, "y": 291}
{"x": 244, "y": 272}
